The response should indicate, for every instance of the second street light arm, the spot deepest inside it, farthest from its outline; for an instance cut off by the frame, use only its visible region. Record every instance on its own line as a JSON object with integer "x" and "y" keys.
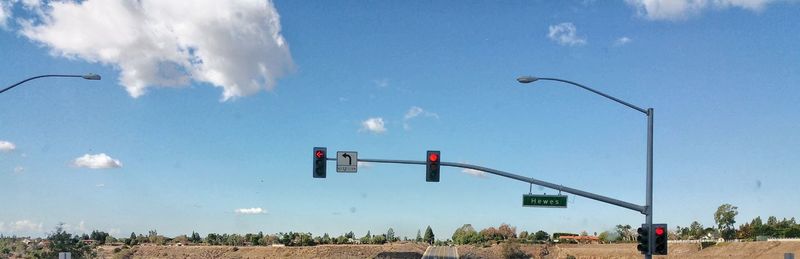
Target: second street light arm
{"x": 87, "y": 77}
{"x": 531, "y": 79}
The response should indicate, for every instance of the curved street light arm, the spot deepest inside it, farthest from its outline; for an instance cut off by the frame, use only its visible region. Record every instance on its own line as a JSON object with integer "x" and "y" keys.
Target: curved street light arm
{"x": 597, "y": 92}
{"x": 87, "y": 77}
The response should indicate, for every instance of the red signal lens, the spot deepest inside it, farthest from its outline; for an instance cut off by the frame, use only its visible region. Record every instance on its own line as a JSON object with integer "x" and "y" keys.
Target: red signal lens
{"x": 659, "y": 231}
{"x": 433, "y": 157}
{"x": 319, "y": 154}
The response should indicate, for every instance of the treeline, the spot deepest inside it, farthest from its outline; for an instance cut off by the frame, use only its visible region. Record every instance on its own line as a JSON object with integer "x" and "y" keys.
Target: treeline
{"x": 58, "y": 241}
{"x": 83, "y": 245}
{"x": 773, "y": 228}
{"x": 725, "y": 228}
{"x": 466, "y": 234}
{"x": 261, "y": 239}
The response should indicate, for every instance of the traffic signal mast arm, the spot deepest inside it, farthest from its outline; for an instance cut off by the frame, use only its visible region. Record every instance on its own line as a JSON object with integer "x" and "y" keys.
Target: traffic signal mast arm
{"x": 597, "y": 197}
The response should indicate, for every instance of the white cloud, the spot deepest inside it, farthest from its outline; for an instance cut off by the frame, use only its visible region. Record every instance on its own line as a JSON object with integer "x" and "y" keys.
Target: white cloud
{"x": 622, "y": 41}
{"x": 98, "y": 161}
{"x": 682, "y": 9}
{"x": 21, "y": 226}
{"x": 100, "y": 185}
{"x": 81, "y": 227}
{"x": 6, "y": 146}
{"x": 474, "y": 172}
{"x": 365, "y": 165}
{"x": 565, "y": 34}
{"x": 251, "y": 211}
{"x": 414, "y": 112}
{"x": 31, "y": 4}
{"x": 19, "y": 169}
{"x": 233, "y": 45}
{"x": 374, "y": 125}
{"x": 5, "y": 13}
{"x": 382, "y": 83}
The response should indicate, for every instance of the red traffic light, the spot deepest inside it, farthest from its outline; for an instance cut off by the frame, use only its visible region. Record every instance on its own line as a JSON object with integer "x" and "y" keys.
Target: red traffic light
{"x": 433, "y": 157}
{"x": 659, "y": 231}
{"x": 319, "y": 154}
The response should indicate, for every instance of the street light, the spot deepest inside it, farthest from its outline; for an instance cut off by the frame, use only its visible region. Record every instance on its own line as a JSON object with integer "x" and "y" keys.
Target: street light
{"x": 649, "y": 113}
{"x": 89, "y": 76}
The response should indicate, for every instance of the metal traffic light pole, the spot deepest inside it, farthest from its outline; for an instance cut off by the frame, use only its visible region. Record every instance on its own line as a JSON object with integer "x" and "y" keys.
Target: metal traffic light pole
{"x": 649, "y": 184}
{"x": 647, "y": 210}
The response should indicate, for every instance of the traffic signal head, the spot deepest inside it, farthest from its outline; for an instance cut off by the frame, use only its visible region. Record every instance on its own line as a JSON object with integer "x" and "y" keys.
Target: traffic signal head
{"x": 432, "y": 166}
{"x": 660, "y": 239}
{"x": 320, "y": 162}
{"x": 643, "y": 239}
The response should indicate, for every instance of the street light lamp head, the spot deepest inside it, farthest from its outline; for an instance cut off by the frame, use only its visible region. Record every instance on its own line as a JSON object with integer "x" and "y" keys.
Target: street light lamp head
{"x": 527, "y": 79}
{"x": 91, "y": 76}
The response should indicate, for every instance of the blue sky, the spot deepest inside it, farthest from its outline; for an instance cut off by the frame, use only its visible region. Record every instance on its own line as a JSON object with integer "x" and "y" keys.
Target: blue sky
{"x": 224, "y": 118}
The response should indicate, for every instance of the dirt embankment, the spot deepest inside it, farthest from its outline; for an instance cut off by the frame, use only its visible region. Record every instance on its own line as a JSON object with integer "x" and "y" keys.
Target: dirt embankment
{"x": 321, "y": 251}
{"x": 756, "y": 250}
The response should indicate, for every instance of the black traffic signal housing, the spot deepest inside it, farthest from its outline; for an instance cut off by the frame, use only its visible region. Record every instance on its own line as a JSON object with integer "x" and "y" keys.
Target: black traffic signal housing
{"x": 320, "y": 162}
{"x": 643, "y": 239}
{"x": 661, "y": 235}
{"x": 432, "y": 166}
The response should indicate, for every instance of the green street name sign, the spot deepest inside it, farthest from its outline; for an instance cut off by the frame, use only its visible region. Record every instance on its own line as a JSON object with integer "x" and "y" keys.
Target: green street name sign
{"x": 547, "y": 201}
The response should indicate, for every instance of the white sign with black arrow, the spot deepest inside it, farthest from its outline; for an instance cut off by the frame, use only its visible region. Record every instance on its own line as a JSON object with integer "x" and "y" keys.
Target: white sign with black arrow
{"x": 346, "y": 161}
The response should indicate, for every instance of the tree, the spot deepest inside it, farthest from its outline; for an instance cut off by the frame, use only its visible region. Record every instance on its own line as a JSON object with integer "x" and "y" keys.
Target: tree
{"x": 342, "y": 240}
{"x": 61, "y": 241}
{"x": 110, "y": 239}
{"x": 604, "y": 237}
{"x": 429, "y": 237}
{"x": 523, "y": 235}
{"x": 367, "y": 238}
{"x": 772, "y": 221}
{"x": 696, "y": 230}
{"x": 745, "y": 232}
{"x": 99, "y": 236}
{"x": 466, "y": 235}
{"x": 132, "y": 240}
{"x": 507, "y": 232}
{"x": 540, "y": 236}
{"x": 419, "y": 236}
{"x": 195, "y": 238}
{"x": 725, "y": 218}
{"x": 379, "y": 239}
{"x": 390, "y": 235}
{"x": 491, "y": 233}
{"x": 624, "y": 232}
{"x": 213, "y": 239}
